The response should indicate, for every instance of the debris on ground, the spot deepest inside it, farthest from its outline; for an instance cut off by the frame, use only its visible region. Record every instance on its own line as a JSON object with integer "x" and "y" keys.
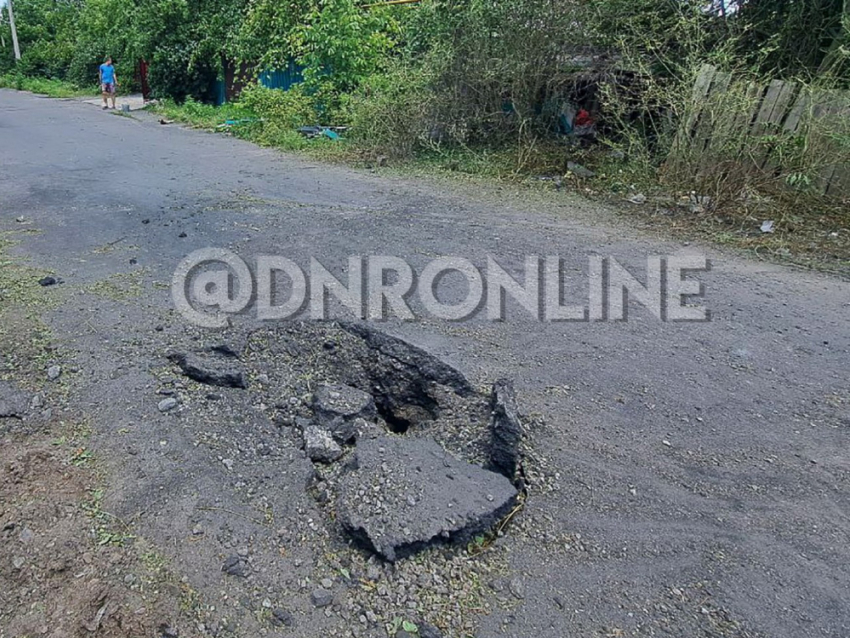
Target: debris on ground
{"x": 403, "y": 494}
{"x": 320, "y": 446}
{"x": 330, "y": 132}
{"x": 54, "y": 372}
{"x": 332, "y": 402}
{"x": 640, "y": 198}
{"x": 166, "y": 405}
{"x": 768, "y": 226}
{"x": 215, "y": 366}
{"x": 49, "y": 281}
{"x": 13, "y": 402}
{"x": 506, "y": 430}
{"x": 580, "y": 171}
{"x": 241, "y": 122}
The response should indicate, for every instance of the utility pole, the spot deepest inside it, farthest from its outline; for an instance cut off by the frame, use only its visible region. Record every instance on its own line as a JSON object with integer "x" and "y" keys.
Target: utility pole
{"x": 14, "y": 30}
{"x": 2, "y": 36}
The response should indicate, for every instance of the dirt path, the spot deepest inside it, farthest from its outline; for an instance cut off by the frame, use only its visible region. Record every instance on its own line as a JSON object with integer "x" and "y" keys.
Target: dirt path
{"x": 686, "y": 479}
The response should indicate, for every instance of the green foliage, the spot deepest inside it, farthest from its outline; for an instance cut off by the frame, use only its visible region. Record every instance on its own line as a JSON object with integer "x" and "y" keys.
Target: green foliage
{"x": 266, "y": 33}
{"x": 340, "y": 45}
{"x": 288, "y": 109}
{"x": 42, "y": 86}
{"x": 391, "y": 112}
{"x": 105, "y": 28}
{"x": 46, "y": 32}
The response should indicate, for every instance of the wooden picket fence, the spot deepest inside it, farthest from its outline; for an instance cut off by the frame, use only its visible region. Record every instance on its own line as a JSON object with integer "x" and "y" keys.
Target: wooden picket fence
{"x": 729, "y": 121}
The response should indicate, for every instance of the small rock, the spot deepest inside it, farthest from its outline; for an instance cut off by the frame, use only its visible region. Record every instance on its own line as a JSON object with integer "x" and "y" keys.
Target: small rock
{"x": 517, "y": 588}
{"x": 235, "y": 566}
{"x": 373, "y": 573}
{"x": 580, "y": 171}
{"x": 167, "y": 631}
{"x": 640, "y": 198}
{"x": 54, "y": 372}
{"x": 320, "y": 446}
{"x": 48, "y": 281}
{"x": 321, "y": 598}
{"x": 429, "y": 631}
{"x": 13, "y": 402}
{"x": 341, "y": 401}
{"x": 327, "y": 583}
{"x": 167, "y": 404}
{"x": 282, "y": 618}
{"x": 182, "y": 235}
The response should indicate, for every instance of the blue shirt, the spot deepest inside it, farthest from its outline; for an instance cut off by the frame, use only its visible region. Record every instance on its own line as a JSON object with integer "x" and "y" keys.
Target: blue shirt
{"x": 107, "y": 74}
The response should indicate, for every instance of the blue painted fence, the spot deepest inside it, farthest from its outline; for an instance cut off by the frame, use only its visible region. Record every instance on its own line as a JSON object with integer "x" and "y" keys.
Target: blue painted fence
{"x": 283, "y": 79}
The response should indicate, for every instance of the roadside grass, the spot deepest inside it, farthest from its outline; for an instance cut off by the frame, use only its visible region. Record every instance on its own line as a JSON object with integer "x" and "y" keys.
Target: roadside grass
{"x": 241, "y": 122}
{"x": 809, "y": 232}
{"x": 24, "y": 337}
{"x": 44, "y": 86}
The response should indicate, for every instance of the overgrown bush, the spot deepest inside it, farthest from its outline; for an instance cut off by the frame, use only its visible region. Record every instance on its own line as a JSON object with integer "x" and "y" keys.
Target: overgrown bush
{"x": 289, "y": 109}
{"x": 392, "y": 113}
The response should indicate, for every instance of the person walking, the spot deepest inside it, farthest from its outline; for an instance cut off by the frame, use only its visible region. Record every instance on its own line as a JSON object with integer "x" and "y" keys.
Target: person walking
{"x": 108, "y": 82}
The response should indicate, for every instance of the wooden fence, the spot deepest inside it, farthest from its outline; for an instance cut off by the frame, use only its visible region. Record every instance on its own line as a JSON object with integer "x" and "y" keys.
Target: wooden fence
{"x": 752, "y": 125}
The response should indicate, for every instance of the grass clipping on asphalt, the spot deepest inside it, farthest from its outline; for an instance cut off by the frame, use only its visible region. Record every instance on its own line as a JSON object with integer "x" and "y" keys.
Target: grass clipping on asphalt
{"x": 25, "y": 340}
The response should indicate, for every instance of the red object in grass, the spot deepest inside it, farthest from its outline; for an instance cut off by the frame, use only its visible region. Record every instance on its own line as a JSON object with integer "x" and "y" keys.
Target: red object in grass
{"x": 583, "y": 118}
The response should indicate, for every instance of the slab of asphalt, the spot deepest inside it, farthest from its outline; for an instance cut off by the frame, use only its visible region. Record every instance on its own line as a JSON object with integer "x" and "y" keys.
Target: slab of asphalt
{"x": 693, "y": 477}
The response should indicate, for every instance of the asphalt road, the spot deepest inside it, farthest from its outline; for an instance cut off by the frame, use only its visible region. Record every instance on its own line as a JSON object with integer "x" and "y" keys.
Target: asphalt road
{"x": 697, "y": 474}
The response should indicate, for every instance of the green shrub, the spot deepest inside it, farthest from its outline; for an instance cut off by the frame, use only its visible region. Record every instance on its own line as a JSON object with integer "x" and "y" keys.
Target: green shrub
{"x": 392, "y": 113}
{"x": 288, "y": 109}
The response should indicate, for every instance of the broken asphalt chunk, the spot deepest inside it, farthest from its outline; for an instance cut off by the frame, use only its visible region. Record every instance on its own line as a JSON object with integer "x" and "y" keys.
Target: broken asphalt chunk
{"x": 505, "y": 430}
{"x": 213, "y": 367}
{"x": 13, "y": 402}
{"x": 402, "y": 494}
{"x": 235, "y": 566}
{"x": 320, "y": 446}
{"x": 341, "y": 401}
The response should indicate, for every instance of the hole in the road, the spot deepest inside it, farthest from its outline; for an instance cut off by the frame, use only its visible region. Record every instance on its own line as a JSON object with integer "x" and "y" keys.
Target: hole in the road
{"x": 401, "y": 417}
{"x": 342, "y": 391}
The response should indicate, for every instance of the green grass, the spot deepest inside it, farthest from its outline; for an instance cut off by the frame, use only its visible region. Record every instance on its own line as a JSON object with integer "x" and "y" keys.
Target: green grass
{"x": 44, "y": 86}
{"x": 245, "y": 124}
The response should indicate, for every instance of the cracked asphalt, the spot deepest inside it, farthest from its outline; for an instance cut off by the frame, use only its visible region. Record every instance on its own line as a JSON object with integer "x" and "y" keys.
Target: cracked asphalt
{"x": 694, "y": 475}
